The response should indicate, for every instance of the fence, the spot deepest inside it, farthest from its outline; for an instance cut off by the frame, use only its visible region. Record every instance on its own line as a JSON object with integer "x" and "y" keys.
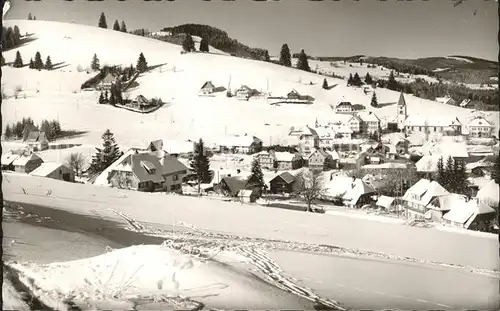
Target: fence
{"x": 58, "y": 146}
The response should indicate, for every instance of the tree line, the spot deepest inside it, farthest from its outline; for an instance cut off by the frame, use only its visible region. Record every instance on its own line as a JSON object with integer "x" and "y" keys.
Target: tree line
{"x": 452, "y": 175}
{"x": 102, "y": 23}
{"x": 15, "y": 130}
{"x": 11, "y": 37}
{"x": 286, "y": 58}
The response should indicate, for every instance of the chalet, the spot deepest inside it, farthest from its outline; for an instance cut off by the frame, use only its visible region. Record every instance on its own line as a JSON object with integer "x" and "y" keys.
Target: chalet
{"x": 417, "y": 198}
{"x": 472, "y": 214}
{"x": 478, "y": 169}
{"x": 287, "y": 161}
{"x": 231, "y": 186}
{"x": 441, "y": 205}
{"x": 479, "y": 127}
{"x": 207, "y": 88}
{"x": 343, "y": 107}
{"x": 439, "y": 124}
{"x": 37, "y": 141}
{"x": 140, "y": 102}
{"x": 320, "y": 160}
{"x": 370, "y": 123}
{"x": 326, "y": 136}
{"x": 282, "y": 183}
{"x": 107, "y": 82}
{"x": 296, "y": 96}
{"x": 180, "y": 148}
{"x": 308, "y": 140}
{"x": 342, "y": 132}
{"x": 244, "y": 92}
{"x": 8, "y": 159}
{"x": 266, "y": 159}
{"x": 445, "y": 100}
{"x": 352, "y": 192}
{"x": 148, "y": 171}
{"x": 28, "y": 128}
{"x": 26, "y": 163}
{"x": 346, "y": 119}
{"x": 386, "y": 203}
{"x": 245, "y": 144}
{"x": 55, "y": 171}
{"x": 457, "y": 150}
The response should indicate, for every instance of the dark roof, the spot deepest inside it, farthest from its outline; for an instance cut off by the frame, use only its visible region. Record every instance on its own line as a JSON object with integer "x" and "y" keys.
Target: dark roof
{"x": 401, "y": 100}
{"x": 286, "y": 177}
{"x": 35, "y": 136}
{"x": 208, "y": 84}
{"x": 234, "y": 184}
{"x": 172, "y": 165}
{"x": 30, "y": 128}
{"x": 144, "y": 162}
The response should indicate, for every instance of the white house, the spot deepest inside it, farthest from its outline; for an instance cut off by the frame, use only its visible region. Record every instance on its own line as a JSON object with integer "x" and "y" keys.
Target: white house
{"x": 241, "y": 144}
{"x": 419, "y": 196}
{"x": 343, "y": 106}
{"x": 370, "y": 123}
{"x": 479, "y": 127}
{"x": 435, "y": 124}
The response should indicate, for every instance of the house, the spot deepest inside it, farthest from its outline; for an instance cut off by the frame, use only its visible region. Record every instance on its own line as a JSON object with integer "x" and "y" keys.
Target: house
{"x": 266, "y": 159}
{"x": 370, "y": 123}
{"x": 352, "y": 192}
{"x": 478, "y": 169}
{"x": 346, "y": 119}
{"x": 386, "y": 203}
{"x": 308, "y": 140}
{"x": 343, "y": 106}
{"x": 155, "y": 145}
{"x": 391, "y": 152}
{"x": 27, "y": 163}
{"x": 179, "y": 148}
{"x": 320, "y": 160}
{"x": 107, "y": 82}
{"x": 479, "y": 127}
{"x": 140, "y": 102}
{"x": 417, "y": 198}
{"x": 248, "y": 196}
{"x": 55, "y": 171}
{"x": 457, "y": 150}
{"x": 37, "y": 141}
{"x": 207, "y": 88}
{"x": 287, "y": 161}
{"x": 148, "y": 171}
{"x": 472, "y": 214}
{"x": 445, "y": 100}
{"x": 294, "y": 96}
{"x": 28, "y": 128}
{"x": 244, "y": 92}
{"x": 282, "y": 183}
{"x": 8, "y": 161}
{"x": 441, "y": 205}
{"x": 246, "y": 144}
{"x": 402, "y": 146}
{"x": 231, "y": 186}
{"x": 437, "y": 124}
{"x": 342, "y": 131}
{"x": 465, "y": 103}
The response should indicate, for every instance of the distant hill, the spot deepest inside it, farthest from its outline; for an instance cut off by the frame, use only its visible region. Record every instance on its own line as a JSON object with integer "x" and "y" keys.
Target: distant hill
{"x": 217, "y": 38}
{"x": 455, "y": 68}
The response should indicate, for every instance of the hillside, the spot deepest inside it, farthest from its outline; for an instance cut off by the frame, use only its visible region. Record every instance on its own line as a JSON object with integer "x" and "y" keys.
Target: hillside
{"x": 217, "y": 38}
{"x": 176, "y": 78}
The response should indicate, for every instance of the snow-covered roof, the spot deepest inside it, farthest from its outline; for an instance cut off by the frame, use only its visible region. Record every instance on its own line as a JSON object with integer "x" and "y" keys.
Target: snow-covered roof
{"x": 489, "y": 193}
{"x": 425, "y": 190}
{"x": 341, "y": 118}
{"x": 479, "y": 122}
{"x": 238, "y": 141}
{"x": 447, "y": 202}
{"x": 385, "y": 201}
{"x": 284, "y": 156}
{"x": 445, "y": 149}
{"x": 24, "y": 159}
{"x": 46, "y": 169}
{"x": 342, "y": 129}
{"x": 443, "y": 99}
{"x": 420, "y": 120}
{"x": 368, "y": 116}
{"x": 389, "y": 165}
{"x": 324, "y": 132}
{"x": 178, "y": 146}
{"x": 8, "y": 158}
{"x": 347, "y": 188}
{"x": 428, "y": 163}
{"x": 334, "y": 154}
{"x": 465, "y": 212}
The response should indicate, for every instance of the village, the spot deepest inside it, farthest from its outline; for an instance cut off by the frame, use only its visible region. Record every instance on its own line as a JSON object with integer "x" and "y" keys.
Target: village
{"x": 354, "y": 161}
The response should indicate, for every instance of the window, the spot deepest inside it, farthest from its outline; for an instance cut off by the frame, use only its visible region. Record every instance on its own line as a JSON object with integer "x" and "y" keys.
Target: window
{"x": 175, "y": 177}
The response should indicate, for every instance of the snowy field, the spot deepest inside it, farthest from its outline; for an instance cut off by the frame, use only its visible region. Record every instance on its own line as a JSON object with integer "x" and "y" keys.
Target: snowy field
{"x": 177, "y": 80}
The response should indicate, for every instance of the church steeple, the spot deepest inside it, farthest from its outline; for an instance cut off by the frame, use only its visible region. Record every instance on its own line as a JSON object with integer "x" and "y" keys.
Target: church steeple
{"x": 402, "y": 111}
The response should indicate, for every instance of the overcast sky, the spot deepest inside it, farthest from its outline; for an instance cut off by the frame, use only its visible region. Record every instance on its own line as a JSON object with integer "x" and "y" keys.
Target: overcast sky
{"x": 407, "y": 29}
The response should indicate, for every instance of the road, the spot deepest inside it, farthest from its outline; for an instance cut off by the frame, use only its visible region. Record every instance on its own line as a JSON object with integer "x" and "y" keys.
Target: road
{"x": 55, "y": 235}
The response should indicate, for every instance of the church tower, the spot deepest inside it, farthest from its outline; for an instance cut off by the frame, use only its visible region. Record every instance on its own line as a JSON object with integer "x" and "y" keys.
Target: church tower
{"x": 402, "y": 111}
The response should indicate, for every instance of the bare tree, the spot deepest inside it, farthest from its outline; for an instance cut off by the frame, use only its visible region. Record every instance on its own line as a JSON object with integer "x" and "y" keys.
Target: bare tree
{"x": 76, "y": 161}
{"x": 310, "y": 187}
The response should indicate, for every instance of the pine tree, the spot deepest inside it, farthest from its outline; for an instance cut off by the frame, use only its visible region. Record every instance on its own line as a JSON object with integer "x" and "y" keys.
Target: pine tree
{"x": 17, "y": 35}
{"x": 48, "y": 63}
{"x": 142, "y": 65}
{"x": 356, "y": 80}
{"x": 461, "y": 179}
{"x": 325, "y": 84}
{"x": 32, "y": 64}
{"x": 112, "y": 99}
{"x": 34, "y": 18}
{"x": 368, "y": 78}
{"x": 18, "y": 62}
{"x": 302, "y": 63}
{"x": 38, "y": 61}
{"x": 350, "y": 80}
{"x": 449, "y": 179}
{"x": 266, "y": 56}
{"x": 101, "y": 99}
{"x": 285, "y": 56}
{"x": 441, "y": 172}
{"x": 30, "y": 17}
{"x": 123, "y": 27}
{"x": 374, "y": 101}
{"x": 256, "y": 178}
{"x": 8, "y": 132}
{"x": 392, "y": 84}
{"x": 102, "y": 21}
{"x": 204, "y": 45}
{"x": 106, "y": 155}
{"x": 116, "y": 26}
{"x": 188, "y": 43}
{"x": 200, "y": 164}
{"x": 94, "y": 65}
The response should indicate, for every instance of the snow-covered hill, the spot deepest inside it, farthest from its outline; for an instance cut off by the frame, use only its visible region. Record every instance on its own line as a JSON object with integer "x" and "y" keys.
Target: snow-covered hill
{"x": 177, "y": 79}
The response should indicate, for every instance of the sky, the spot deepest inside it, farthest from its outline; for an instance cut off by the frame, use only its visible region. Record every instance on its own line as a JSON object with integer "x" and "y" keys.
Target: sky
{"x": 405, "y": 29}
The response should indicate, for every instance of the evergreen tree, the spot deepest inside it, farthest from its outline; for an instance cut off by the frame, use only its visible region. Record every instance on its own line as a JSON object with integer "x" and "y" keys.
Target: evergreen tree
{"x": 449, "y": 182}
{"x": 368, "y": 78}
{"x": 142, "y": 65}
{"x": 101, "y": 99}
{"x": 392, "y": 84}
{"x": 30, "y": 17}
{"x": 2, "y": 61}
{"x": 17, "y": 35}
{"x": 204, "y": 47}
{"x": 188, "y": 44}
{"x": 374, "y": 101}
{"x": 325, "y": 84}
{"x": 356, "y": 80}
{"x": 123, "y": 27}
{"x": 32, "y": 64}
{"x": 495, "y": 172}
{"x": 350, "y": 80}
{"x": 94, "y": 65}
{"x": 461, "y": 183}
{"x": 102, "y": 21}
{"x": 256, "y": 178}
{"x": 18, "y": 62}
{"x": 106, "y": 97}
{"x": 285, "y": 56}
{"x": 106, "y": 155}
{"x": 8, "y": 132}
{"x": 48, "y": 63}
{"x": 116, "y": 26}
{"x": 200, "y": 164}
{"x": 34, "y": 18}
{"x": 266, "y": 56}
{"x": 38, "y": 61}
{"x": 112, "y": 99}
{"x": 441, "y": 172}
{"x": 302, "y": 63}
